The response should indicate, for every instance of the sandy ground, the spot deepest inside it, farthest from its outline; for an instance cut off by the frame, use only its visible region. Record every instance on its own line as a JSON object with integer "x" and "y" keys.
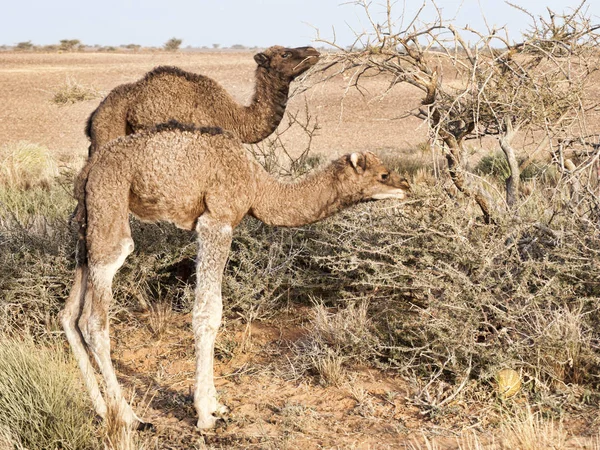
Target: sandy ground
{"x": 268, "y": 407}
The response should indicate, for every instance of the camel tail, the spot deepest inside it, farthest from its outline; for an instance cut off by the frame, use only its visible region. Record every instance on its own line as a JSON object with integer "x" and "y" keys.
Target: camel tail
{"x": 79, "y": 217}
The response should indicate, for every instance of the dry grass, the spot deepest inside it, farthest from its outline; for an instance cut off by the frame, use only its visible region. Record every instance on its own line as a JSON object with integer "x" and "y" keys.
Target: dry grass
{"x": 529, "y": 431}
{"x": 73, "y": 92}
{"x": 24, "y": 165}
{"x": 333, "y": 340}
{"x": 158, "y": 320}
{"x": 465, "y": 441}
{"x": 523, "y": 430}
{"x": 118, "y": 436}
{"x": 42, "y": 404}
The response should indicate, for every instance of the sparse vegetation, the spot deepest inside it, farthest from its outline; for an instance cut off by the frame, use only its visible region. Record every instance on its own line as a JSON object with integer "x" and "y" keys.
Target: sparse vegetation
{"x": 69, "y": 45}
{"x": 133, "y": 47}
{"x": 503, "y": 295}
{"x": 24, "y": 46}
{"x": 72, "y": 92}
{"x": 172, "y": 45}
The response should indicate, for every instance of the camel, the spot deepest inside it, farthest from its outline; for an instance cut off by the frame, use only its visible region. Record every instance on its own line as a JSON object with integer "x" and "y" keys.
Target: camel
{"x": 199, "y": 179}
{"x": 169, "y": 93}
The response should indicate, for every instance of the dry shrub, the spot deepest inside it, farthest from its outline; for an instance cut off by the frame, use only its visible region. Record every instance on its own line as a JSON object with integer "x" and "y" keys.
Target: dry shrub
{"x": 72, "y": 91}
{"x": 36, "y": 258}
{"x": 446, "y": 298}
{"x": 524, "y": 430}
{"x": 24, "y": 165}
{"x": 42, "y": 404}
{"x": 465, "y": 441}
{"x": 334, "y": 339}
{"x": 425, "y": 288}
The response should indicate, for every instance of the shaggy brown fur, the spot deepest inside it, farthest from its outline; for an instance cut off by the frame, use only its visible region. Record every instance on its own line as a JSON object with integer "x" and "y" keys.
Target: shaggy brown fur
{"x": 169, "y": 93}
{"x": 198, "y": 179}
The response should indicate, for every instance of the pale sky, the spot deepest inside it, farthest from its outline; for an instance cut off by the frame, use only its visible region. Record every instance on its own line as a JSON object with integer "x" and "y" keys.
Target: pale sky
{"x": 227, "y": 22}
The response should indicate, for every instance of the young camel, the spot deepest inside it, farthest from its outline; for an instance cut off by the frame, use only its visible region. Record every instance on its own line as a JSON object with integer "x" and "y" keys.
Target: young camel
{"x": 169, "y": 93}
{"x": 198, "y": 179}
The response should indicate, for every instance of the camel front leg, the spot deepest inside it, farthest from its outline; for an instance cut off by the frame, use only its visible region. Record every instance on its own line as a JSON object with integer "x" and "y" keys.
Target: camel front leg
{"x": 214, "y": 242}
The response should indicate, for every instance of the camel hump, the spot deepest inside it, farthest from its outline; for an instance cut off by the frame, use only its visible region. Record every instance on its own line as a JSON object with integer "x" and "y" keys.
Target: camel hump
{"x": 173, "y": 71}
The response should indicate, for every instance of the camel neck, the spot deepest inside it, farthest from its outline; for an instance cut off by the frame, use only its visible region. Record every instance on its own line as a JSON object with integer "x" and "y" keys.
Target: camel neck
{"x": 263, "y": 115}
{"x": 294, "y": 204}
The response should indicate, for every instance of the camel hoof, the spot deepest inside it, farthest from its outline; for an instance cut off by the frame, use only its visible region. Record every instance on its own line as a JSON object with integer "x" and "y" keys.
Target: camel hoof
{"x": 221, "y": 410}
{"x": 146, "y": 426}
{"x": 211, "y": 422}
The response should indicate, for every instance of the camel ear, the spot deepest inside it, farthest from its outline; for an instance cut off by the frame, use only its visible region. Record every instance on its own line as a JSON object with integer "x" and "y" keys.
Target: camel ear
{"x": 262, "y": 60}
{"x": 358, "y": 161}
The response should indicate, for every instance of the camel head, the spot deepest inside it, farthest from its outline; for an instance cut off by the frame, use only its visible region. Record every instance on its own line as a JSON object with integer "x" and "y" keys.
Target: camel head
{"x": 288, "y": 63}
{"x": 374, "y": 181}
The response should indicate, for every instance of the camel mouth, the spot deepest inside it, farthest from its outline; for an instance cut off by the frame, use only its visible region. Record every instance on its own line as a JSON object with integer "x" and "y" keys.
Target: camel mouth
{"x": 306, "y": 63}
{"x": 395, "y": 193}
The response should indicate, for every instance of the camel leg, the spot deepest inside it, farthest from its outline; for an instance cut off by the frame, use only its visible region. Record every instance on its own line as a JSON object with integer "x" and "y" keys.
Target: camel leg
{"x": 68, "y": 318}
{"x": 214, "y": 242}
{"x": 93, "y": 324}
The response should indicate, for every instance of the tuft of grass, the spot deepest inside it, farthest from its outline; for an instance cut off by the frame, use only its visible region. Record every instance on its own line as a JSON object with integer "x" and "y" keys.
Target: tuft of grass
{"x": 24, "y": 165}
{"x": 329, "y": 366}
{"x": 42, "y": 404}
{"x": 158, "y": 319}
{"x": 527, "y": 430}
{"x": 117, "y": 435}
{"x": 523, "y": 430}
{"x": 72, "y": 91}
{"x": 334, "y": 339}
{"x": 36, "y": 258}
{"x": 464, "y": 441}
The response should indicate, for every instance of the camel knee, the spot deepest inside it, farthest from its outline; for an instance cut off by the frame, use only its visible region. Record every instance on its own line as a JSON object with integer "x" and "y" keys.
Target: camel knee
{"x": 67, "y": 318}
{"x": 94, "y": 328}
{"x": 128, "y": 246}
{"x": 108, "y": 264}
{"x": 72, "y": 309}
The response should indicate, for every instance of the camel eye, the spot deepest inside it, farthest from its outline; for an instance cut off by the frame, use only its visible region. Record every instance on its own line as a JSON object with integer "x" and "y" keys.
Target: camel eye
{"x": 286, "y": 55}
{"x": 385, "y": 176}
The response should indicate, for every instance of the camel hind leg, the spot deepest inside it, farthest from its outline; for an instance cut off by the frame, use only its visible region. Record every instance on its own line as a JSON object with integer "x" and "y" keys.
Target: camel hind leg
{"x": 94, "y": 324}
{"x": 68, "y": 318}
{"x": 108, "y": 242}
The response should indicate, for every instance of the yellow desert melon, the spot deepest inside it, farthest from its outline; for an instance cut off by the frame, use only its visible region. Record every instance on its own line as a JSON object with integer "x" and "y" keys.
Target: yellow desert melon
{"x": 508, "y": 383}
